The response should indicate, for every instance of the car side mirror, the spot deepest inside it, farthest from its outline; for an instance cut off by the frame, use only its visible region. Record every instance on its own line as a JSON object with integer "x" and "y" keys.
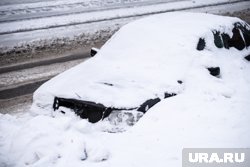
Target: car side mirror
{"x": 93, "y": 52}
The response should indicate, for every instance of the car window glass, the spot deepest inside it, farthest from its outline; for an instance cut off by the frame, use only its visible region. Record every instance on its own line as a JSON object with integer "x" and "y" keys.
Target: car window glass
{"x": 201, "y": 44}
{"x": 236, "y": 40}
{"x": 217, "y": 39}
{"x": 245, "y": 32}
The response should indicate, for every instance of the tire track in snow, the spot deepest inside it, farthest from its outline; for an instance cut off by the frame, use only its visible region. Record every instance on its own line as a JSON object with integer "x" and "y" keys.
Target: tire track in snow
{"x": 70, "y": 8}
{"x": 117, "y": 17}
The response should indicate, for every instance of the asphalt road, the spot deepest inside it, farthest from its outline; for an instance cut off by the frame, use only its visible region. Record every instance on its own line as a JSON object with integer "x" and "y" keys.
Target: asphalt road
{"x": 18, "y": 67}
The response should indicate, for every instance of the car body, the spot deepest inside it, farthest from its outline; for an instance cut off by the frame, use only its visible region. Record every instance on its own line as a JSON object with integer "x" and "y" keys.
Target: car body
{"x": 144, "y": 62}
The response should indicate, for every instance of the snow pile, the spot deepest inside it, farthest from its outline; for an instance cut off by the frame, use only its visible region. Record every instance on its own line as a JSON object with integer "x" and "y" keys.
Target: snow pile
{"x": 154, "y": 52}
{"x": 45, "y": 141}
{"x": 157, "y": 139}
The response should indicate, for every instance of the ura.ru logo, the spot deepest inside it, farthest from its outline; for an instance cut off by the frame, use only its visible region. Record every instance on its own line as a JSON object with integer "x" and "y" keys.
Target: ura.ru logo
{"x": 215, "y": 158}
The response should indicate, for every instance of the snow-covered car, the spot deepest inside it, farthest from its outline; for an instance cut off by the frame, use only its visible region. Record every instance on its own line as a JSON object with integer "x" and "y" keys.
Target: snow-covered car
{"x": 146, "y": 61}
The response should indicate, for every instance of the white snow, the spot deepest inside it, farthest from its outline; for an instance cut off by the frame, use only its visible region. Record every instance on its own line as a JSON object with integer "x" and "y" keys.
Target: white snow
{"x": 154, "y": 53}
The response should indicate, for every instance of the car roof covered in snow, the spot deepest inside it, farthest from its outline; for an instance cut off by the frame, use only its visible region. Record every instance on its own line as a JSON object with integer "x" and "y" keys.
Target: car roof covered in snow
{"x": 145, "y": 59}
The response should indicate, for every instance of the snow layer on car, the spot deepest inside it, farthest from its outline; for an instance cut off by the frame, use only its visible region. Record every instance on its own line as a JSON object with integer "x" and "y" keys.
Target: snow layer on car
{"x": 145, "y": 59}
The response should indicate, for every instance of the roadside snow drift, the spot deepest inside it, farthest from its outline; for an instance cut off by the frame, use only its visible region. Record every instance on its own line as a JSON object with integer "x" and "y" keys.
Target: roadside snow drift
{"x": 143, "y": 60}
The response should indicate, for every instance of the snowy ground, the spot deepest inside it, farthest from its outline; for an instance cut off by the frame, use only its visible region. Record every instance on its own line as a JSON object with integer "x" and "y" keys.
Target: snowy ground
{"x": 156, "y": 140}
{"x": 52, "y": 15}
{"x": 208, "y": 112}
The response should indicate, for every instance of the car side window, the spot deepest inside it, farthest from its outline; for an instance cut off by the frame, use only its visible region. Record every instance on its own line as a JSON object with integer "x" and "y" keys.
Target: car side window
{"x": 236, "y": 41}
{"x": 217, "y": 39}
{"x": 225, "y": 39}
{"x": 201, "y": 44}
{"x": 239, "y": 40}
{"x": 245, "y": 32}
